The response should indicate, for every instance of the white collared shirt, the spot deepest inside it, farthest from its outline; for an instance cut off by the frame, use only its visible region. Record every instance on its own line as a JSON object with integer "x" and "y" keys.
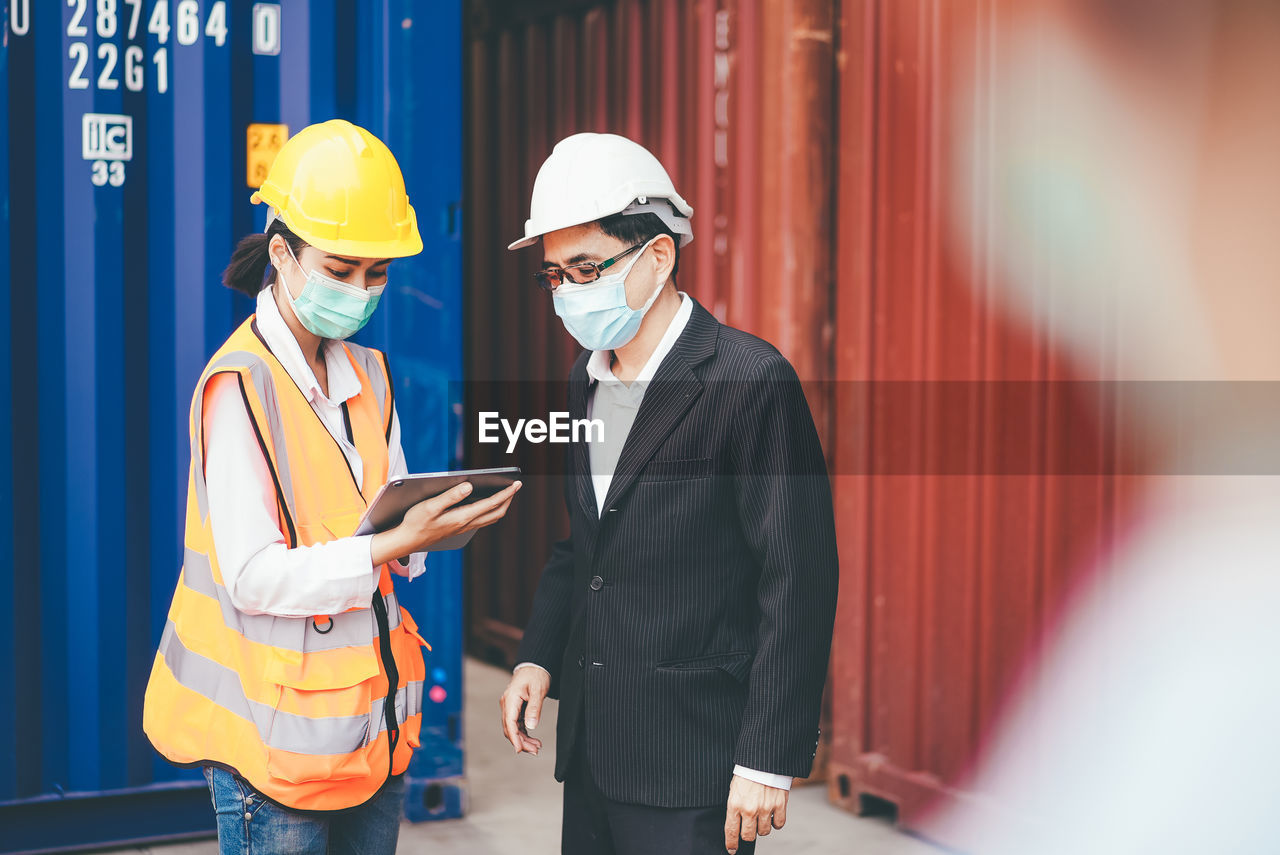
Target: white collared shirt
{"x": 616, "y": 404}
{"x": 261, "y": 573}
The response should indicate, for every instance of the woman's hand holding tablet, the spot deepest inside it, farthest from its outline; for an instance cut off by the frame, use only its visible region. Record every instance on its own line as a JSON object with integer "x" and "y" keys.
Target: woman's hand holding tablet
{"x": 444, "y": 521}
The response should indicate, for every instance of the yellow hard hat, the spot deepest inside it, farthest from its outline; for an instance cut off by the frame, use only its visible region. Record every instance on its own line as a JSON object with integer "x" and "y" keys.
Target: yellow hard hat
{"x": 339, "y": 188}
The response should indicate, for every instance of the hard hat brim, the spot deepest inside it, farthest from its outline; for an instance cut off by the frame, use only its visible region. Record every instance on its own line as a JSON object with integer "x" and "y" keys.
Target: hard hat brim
{"x": 682, "y": 230}
{"x": 410, "y": 244}
{"x": 529, "y": 240}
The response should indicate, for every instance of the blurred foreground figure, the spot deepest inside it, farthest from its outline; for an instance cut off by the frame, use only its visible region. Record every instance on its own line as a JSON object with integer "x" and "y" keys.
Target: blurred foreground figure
{"x": 1132, "y": 181}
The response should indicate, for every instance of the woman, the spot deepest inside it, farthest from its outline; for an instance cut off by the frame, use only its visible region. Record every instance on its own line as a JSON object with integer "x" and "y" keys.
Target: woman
{"x": 287, "y": 669}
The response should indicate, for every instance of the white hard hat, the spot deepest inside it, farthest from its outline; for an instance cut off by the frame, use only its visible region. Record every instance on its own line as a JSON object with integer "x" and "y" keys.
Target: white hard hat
{"x": 591, "y": 176}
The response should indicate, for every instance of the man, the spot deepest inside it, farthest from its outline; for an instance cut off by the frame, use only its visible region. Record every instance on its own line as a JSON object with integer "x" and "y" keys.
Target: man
{"x": 685, "y": 623}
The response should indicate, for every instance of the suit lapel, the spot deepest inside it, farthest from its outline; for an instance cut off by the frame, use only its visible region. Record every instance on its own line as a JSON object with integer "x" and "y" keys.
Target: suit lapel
{"x": 579, "y": 386}
{"x": 669, "y": 396}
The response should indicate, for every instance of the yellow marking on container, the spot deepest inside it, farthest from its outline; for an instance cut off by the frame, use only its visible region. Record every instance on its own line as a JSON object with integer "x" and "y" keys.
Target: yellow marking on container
{"x": 263, "y": 142}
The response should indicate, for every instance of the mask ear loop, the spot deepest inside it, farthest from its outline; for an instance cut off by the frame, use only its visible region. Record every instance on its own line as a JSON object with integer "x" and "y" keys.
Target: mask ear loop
{"x": 289, "y": 250}
{"x": 657, "y": 290}
{"x": 298, "y": 264}
{"x": 272, "y": 216}
{"x": 280, "y": 271}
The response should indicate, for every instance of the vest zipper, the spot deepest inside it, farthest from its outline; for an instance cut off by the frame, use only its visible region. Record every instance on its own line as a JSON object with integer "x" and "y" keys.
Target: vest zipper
{"x": 393, "y": 676}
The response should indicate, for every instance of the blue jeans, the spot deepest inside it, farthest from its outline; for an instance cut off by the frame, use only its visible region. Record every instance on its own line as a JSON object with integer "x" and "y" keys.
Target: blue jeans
{"x": 248, "y": 824}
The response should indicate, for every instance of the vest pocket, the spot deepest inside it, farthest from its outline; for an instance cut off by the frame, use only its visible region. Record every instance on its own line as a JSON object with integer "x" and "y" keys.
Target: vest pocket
{"x": 303, "y": 768}
{"x": 324, "y": 717}
{"x": 342, "y": 525}
{"x": 412, "y": 731}
{"x": 330, "y": 527}
{"x": 408, "y": 652}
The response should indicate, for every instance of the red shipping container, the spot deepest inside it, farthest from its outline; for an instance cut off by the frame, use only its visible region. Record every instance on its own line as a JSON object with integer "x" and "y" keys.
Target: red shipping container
{"x": 811, "y": 140}
{"x": 950, "y": 582}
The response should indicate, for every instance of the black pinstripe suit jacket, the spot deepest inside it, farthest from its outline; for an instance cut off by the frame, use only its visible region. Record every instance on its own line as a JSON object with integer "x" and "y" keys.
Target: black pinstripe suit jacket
{"x": 687, "y": 627}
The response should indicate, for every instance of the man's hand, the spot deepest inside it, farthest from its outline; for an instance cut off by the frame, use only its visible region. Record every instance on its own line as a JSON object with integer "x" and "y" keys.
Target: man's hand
{"x": 521, "y": 706}
{"x": 754, "y": 811}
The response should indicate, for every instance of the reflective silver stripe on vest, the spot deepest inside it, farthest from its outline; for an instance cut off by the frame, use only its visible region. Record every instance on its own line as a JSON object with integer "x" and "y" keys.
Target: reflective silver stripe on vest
{"x": 264, "y": 385}
{"x": 213, "y": 680}
{"x": 350, "y": 629}
{"x": 413, "y": 701}
{"x": 372, "y": 365}
{"x": 285, "y": 731}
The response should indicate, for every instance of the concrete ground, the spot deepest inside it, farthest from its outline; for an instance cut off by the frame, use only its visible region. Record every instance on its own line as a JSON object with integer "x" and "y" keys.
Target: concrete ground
{"x": 515, "y": 802}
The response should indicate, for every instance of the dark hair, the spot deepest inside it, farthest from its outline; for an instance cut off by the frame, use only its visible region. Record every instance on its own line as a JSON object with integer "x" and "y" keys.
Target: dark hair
{"x": 632, "y": 229}
{"x": 250, "y": 264}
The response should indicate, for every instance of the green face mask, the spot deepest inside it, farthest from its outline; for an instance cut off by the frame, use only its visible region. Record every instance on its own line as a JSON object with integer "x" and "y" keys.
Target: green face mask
{"x": 333, "y": 309}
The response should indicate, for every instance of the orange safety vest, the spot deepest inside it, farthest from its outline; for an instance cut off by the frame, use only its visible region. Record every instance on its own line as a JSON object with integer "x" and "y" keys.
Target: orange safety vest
{"x": 301, "y": 708}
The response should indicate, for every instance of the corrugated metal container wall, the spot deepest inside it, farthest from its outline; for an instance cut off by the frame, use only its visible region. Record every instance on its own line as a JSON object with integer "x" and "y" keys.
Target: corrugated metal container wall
{"x": 735, "y": 99}
{"x": 949, "y": 581}
{"x": 125, "y": 145}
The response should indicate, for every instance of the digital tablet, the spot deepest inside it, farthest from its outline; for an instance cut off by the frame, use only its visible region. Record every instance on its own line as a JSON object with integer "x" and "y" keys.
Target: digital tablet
{"x": 388, "y": 508}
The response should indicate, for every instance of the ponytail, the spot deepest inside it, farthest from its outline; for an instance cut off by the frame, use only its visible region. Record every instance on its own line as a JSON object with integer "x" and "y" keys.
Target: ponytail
{"x": 250, "y": 264}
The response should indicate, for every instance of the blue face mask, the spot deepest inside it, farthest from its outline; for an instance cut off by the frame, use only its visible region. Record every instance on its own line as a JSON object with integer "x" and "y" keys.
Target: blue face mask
{"x": 333, "y": 309}
{"x": 597, "y": 314}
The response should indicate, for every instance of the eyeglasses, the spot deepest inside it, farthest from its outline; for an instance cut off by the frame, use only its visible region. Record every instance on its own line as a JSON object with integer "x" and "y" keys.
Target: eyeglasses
{"x": 551, "y": 278}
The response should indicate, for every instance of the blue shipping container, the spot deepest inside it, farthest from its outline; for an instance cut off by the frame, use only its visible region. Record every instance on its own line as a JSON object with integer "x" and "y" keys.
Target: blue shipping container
{"x": 127, "y": 149}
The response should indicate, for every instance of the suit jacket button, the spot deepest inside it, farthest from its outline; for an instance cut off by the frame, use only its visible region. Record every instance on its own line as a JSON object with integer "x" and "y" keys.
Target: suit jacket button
{"x": 596, "y": 583}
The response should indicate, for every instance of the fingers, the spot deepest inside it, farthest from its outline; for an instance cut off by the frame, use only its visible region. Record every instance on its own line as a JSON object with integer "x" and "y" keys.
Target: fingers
{"x": 489, "y": 518}
{"x": 439, "y": 504}
{"x": 506, "y": 720}
{"x": 754, "y": 811}
{"x": 468, "y": 516}
{"x": 482, "y": 507}
{"x": 533, "y": 710}
{"x": 510, "y": 702}
{"x": 772, "y": 813}
{"x": 528, "y": 744}
{"x": 732, "y": 824}
{"x": 514, "y": 705}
